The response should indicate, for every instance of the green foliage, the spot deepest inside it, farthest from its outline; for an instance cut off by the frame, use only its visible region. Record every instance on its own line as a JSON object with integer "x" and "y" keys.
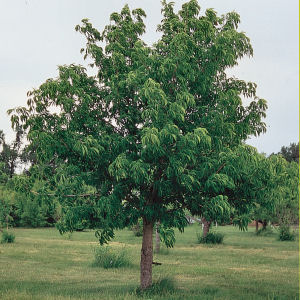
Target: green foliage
{"x": 7, "y": 237}
{"x": 285, "y": 233}
{"x": 20, "y": 207}
{"x": 166, "y": 235}
{"x": 211, "y": 238}
{"x": 241, "y": 221}
{"x": 107, "y": 257}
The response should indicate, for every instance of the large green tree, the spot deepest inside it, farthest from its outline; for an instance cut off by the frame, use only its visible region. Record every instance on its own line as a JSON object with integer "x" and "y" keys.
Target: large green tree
{"x": 140, "y": 132}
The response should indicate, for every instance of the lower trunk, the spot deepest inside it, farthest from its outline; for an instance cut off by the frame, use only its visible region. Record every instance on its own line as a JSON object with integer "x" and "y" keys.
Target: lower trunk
{"x": 157, "y": 238}
{"x": 265, "y": 223}
{"x": 256, "y": 225}
{"x": 206, "y": 225}
{"x": 146, "y": 255}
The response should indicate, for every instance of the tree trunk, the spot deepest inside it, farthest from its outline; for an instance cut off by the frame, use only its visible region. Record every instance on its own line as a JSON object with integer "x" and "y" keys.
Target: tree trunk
{"x": 265, "y": 223}
{"x": 206, "y": 225}
{"x": 7, "y": 222}
{"x": 146, "y": 254}
{"x": 157, "y": 238}
{"x": 256, "y": 225}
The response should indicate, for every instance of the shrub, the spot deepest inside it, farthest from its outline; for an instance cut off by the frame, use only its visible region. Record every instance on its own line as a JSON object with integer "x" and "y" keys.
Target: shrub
{"x": 211, "y": 238}
{"x": 285, "y": 233}
{"x": 106, "y": 257}
{"x": 7, "y": 237}
{"x": 32, "y": 214}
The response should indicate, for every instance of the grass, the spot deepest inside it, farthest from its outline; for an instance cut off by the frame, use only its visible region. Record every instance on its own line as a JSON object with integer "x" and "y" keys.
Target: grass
{"x": 42, "y": 264}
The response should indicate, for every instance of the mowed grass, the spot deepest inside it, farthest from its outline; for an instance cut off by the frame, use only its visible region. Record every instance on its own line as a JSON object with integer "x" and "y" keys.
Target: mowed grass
{"x": 42, "y": 264}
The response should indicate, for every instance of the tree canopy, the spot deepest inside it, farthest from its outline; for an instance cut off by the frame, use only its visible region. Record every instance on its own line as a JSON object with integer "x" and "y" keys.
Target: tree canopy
{"x": 147, "y": 136}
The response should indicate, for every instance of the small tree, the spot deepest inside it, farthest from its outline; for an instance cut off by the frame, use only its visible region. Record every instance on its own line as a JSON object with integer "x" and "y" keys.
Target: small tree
{"x": 147, "y": 133}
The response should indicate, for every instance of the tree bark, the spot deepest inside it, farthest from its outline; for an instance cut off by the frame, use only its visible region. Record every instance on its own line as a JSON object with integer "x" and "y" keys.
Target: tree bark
{"x": 157, "y": 238}
{"x": 265, "y": 223}
{"x": 256, "y": 225}
{"x": 146, "y": 254}
{"x": 206, "y": 225}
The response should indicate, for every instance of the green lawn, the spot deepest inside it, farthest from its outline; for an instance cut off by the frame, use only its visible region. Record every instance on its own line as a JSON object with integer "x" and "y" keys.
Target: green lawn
{"x": 42, "y": 264}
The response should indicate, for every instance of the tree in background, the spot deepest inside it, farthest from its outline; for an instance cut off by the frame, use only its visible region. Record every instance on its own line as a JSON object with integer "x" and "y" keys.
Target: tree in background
{"x": 287, "y": 206}
{"x": 265, "y": 180}
{"x": 225, "y": 190}
{"x": 5, "y": 205}
{"x": 291, "y": 152}
{"x": 147, "y": 133}
{"x": 10, "y": 153}
{"x": 273, "y": 186}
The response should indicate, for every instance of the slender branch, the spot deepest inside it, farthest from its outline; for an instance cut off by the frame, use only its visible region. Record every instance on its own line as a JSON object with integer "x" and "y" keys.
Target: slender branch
{"x": 221, "y": 167}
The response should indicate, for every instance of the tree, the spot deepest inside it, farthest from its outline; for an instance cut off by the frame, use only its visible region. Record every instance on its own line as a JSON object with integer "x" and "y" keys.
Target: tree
{"x": 10, "y": 153}
{"x": 264, "y": 179}
{"x": 287, "y": 194}
{"x": 140, "y": 132}
{"x": 273, "y": 185}
{"x": 5, "y": 206}
{"x": 291, "y": 152}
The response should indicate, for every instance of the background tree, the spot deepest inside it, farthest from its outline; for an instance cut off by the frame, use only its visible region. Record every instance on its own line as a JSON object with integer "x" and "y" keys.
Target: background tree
{"x": 265, "y": 180}
{"x": 287, "y": 206}
{"x": 291, "y": 152}
{"x": 5, "y": 205}
{"x": 274, "y": 190}
{"x": 145, "y": 134}
{"x": 10, "y": 153}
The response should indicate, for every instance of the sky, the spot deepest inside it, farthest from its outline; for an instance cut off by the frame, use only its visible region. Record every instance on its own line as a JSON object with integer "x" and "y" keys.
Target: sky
{"x": 38, "y": 35}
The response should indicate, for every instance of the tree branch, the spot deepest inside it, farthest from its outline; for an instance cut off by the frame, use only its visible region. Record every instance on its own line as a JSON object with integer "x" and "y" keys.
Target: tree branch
{"x": 220, "y": 168}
